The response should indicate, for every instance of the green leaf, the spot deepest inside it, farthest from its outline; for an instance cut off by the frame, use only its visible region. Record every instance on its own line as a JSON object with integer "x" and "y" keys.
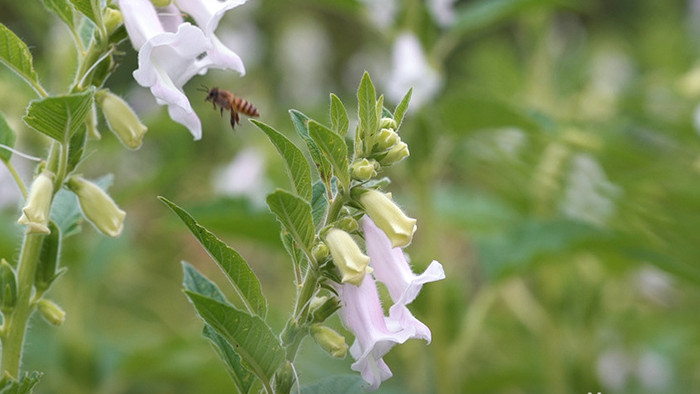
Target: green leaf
{"x": 242, "y": 377}
{"x": 295, "y": 215}
{"x": 239, "y": 274}
{"x": 294, "y": 251}
{"x": 367, "y": 106}
{"x": 297, "y": 166}
{"x": 62, "y": 9}
{"x": 339, "y": 384}
{"x": 250, "y": 336}
{"x": 319, "y": 203}
{"x": 301, "y": 124}
{"x": 25, "y": 385}
{"x": 90, "y": 9}
{"x": 339, "y": 116}
{"x": 333, "y": 148}
{"x": 7, "y": 138}
{"x": 76, "y": 148}
{"x": 379, "y": 109}
{"x": 15, "y": 55}
{"x": 194, "y": 281}
{"x": 47, "y": 271}
{"x": 59, "y": 117}
{"x": 402, "y": 107}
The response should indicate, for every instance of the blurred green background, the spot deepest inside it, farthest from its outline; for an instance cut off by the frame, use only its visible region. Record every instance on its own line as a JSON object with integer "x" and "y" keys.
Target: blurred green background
{"x": 554, "y": 172}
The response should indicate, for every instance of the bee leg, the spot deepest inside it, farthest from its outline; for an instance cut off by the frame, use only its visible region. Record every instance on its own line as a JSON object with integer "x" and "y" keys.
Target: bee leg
{"x": 234, "y": 119}
{"x": 222, "y": 111}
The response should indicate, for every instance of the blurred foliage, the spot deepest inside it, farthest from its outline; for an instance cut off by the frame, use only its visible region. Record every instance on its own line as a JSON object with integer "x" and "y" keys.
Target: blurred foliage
{"x": 555, "y": 175}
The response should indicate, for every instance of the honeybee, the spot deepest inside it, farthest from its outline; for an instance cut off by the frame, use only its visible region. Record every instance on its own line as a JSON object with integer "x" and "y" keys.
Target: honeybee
{"x": 231, "y": 102}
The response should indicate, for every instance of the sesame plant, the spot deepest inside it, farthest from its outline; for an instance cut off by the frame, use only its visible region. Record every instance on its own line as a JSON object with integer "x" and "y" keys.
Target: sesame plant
{"x": 342, "y": 231}
{"x": 324, "y": 222}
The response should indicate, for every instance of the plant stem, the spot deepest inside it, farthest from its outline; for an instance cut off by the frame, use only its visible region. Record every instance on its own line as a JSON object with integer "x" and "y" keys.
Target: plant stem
{"x": 16, "y": 321}
{"x": 18, "y": 179}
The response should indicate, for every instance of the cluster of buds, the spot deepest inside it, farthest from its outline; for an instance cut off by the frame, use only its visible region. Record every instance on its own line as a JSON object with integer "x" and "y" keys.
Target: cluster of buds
{"x": 386, "y": 230}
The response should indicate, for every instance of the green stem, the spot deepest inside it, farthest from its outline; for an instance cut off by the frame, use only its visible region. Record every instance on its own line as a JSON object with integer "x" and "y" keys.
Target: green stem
{"x": 296, "y": 328}
{"x": 16, "y": 321}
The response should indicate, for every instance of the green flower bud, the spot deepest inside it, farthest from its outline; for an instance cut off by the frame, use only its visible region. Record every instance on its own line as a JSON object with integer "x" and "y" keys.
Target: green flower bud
{"x": 8, "y": 287}
{"x": 161, "y": 3}
{"x": 347, "y": 256}
{"x": 363, "y": 170}
{"x": 284, "y": 378}
{"x": 386, "y": 139}
{"x": 323, "y": 307}
{"x": 121, "y": 119}
{"x": 51, "y": 312}
{"x": 397, "y": 153}
{"x": 35, "y": 214}
{"x": 388, "y": 217}
{"x": 348, "y": 224}
{"x": 329, "y": 340}
{"x": 320, "y": 251}
{"x": 112, "y": 19}
{"x": 97, "y": 206}
{"x": 387, "y": 123}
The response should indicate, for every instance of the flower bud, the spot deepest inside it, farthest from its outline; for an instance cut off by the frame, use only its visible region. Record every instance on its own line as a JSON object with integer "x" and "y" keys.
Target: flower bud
{"x": 8, "y": 287}
{"x": 397, "y": 153}
{"x": 363, "y": 170}
{"x": 386, "y": 139}
{"x": 388, "y": 217}
{"x": 97, "y": 206}
{"x": 323, "y": 307}
{"x": 320, "y": 251}
{"x": 112, "y": 19}
{"x": 284, "y": 378}
{"x": 347, "y": 256}
{"x": 329, "y": 340}
{"x": 387, "y": 123}
{"x": 121, "y": 119}
{"x": 348, "y": 224}
{"x": 51, "y": 312}
{"x": 35, "y": 213}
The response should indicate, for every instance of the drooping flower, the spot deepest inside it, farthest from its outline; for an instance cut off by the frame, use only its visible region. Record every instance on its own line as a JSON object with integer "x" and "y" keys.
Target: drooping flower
{"x": 410, "y": 68}
{"x": 171, "y": 51}
{"x": 375, "y": 334}
{"x": 347, "y": 256}
{"x": 97, "y": 206}
{"x": 392, "y": 269}
{"x": 35, "y": 214}
{"x": 389, "y": 217}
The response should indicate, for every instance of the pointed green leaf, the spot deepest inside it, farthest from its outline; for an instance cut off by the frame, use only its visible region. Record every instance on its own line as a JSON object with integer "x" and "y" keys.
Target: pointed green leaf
{"x": 339, "y": 116}
{"x": 402, "y": 107}
{"x": 7, "y": 138}
{"x": 297, "y": 166}
{"x": 295, "y": 215}
{"x": 76, "y": 148}
{"x": 250, "y": 336}
{"x": 15, "y": 54}
{"x": 379, "y": 108}
{"x": 62, "y": 9}
{"x": 239, "y": 274}
{"x": 301, "y": 124}
{"x": 59, "y": 117}
{"x": 242, "y": 377}
{"x": 90, "y": 9}
{"x": 194, "y": 281}
{"x": 319, "y": 203}
{"x": 47, "y": 271}
{"x": 333, "y": 148}
{"x": 367, "y": 101}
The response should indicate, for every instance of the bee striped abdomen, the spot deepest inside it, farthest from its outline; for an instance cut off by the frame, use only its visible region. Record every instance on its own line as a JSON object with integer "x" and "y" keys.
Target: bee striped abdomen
{"x": 244, "y": 106}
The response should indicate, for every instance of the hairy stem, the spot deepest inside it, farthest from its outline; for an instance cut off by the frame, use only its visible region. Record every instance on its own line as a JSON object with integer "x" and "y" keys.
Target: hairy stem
{"x": 16, "y": 321}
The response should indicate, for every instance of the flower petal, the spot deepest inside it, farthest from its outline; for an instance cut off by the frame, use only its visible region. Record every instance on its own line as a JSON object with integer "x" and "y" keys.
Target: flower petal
{"x": 392, "y": 269}
{"x": 140, "y": 20}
